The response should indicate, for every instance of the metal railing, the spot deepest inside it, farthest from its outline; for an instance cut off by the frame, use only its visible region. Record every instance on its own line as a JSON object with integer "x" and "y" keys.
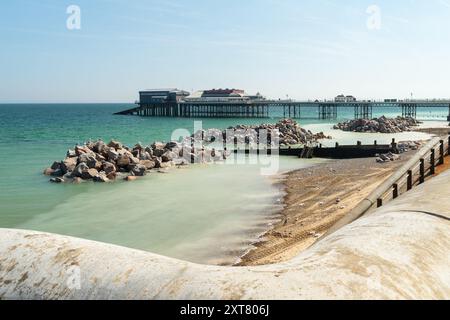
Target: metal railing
{"x": 416, "y": 170}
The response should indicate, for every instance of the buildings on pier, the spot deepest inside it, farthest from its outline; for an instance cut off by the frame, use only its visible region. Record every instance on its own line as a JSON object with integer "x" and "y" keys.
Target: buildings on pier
{"x": 154, "y": 96}
{"x": 223, "y": 95}
{"x": 344, "y": 99}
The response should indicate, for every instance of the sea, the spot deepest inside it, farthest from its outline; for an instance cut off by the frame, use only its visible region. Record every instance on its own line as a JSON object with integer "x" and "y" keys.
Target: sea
{"x": 208, "y": 214}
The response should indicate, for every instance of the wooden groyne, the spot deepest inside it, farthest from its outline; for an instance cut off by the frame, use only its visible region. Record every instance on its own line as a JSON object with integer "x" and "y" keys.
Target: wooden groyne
{"x": 337, "y": 152}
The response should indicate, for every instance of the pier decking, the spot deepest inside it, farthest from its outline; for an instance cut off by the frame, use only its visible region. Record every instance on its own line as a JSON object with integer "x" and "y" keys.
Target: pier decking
{"x": 264, "y": 108}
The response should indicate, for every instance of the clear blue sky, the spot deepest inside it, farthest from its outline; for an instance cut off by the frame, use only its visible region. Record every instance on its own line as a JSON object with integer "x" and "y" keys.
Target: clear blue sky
{"x": 306, "y": 49}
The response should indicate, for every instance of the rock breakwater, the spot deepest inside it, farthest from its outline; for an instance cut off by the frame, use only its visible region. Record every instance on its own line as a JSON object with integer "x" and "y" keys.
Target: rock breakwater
{"x": 379, "y": 125}
{"x": 101, "y": 162}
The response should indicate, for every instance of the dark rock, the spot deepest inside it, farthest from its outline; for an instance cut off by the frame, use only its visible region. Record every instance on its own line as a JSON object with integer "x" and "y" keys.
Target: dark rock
{"x": 158, "y": 152}
{"x": 113, "y": 155}
{"x": 90, "y": 160}
{"x": 89, "y": 174}
{"x": 58, "y": 173}
{"x": 115, "y": 144}
{"x": 139, "y": 170}
{"x": 109, "y": 167}
{"x": 171, "y": 145}
{"x": 101, "y": 177}
{"x": 79, "y": 169}
{"x": 168, "y": 156}
{"x": 56, "y": 165}
{"x": 57, "y": 180}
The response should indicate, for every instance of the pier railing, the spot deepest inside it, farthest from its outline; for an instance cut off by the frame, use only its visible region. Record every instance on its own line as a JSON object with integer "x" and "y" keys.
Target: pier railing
{"x": 413, "y": 173}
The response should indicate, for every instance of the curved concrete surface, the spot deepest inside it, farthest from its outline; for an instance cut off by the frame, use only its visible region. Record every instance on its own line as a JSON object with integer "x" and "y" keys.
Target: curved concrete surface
{"x": 401, "y": 251}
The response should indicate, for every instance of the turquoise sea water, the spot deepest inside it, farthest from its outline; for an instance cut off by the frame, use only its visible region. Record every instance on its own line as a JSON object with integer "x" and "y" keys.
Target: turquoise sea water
{"x": 206, "y": 214}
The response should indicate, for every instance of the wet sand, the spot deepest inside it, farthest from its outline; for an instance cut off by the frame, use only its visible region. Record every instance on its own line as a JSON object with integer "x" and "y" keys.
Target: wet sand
{"x": 316, "y": 198}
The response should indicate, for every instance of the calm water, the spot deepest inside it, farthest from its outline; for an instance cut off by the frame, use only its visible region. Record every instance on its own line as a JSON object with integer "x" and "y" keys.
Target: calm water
{"x": 206, "y": 214}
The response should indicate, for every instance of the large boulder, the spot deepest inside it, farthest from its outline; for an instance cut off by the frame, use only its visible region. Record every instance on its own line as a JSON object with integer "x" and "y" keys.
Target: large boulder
{"x": 101, "y": 177}
{"x": 145, "y": 156}
{"x": 148, "y": 164}
{"x": 115, "y": 144}
{"x": 171, "y": 145}
{"x": 158, "y": 152}
{"x": 123, "y": 161}
{"x": 57, "y": 180}
{"x": 89, "y": 174}
{"x": 90, "y": 160}
{"x": 139, "y": 170}
{"x": 69, "y": 164}
{"x": 99, "y": 146}
{"x": 109, "y": 167}
{"x": 79, "y": 150}
{"x": 56, "y": 165}
{"x": 168, "y": 156}
{"x": 113, "y": 155}
{"x": 79, "y": 169}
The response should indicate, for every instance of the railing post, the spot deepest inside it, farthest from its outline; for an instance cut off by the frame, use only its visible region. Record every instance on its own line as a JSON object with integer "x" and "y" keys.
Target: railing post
{"x": 379, "y": 203}
{"x": 441, "y": 152}
{"x": 422, "y": 171}
{"x": 433, "y": 161}
{"x": 409, "y": 182}
{"x": 395, "y": 191}
{"x": 448, "y": 146}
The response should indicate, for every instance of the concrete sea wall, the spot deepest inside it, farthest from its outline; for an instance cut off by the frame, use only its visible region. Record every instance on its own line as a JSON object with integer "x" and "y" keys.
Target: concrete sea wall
{"x": 400, "y": 251}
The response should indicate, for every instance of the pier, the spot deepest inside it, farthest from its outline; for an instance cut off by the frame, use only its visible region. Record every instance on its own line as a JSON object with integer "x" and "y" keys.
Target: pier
{"x": 267, "y": 108}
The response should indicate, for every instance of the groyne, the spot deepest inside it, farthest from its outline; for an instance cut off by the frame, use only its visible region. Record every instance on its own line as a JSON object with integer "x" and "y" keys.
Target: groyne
{"x": 398, "y": 251}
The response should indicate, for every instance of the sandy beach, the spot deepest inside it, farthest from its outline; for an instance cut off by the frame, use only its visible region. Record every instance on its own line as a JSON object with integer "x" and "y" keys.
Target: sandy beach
{"x": 316, "y": 198}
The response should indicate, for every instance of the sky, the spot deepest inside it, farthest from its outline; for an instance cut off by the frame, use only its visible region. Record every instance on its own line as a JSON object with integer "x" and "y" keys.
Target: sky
{"x": 303, "y": 49}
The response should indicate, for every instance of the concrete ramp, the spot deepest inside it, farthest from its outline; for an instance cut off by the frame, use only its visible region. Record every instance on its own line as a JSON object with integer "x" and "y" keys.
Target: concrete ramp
{"x": 400, "y": 251}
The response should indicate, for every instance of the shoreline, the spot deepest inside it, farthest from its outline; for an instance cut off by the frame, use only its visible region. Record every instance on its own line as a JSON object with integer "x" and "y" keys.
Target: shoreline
{"x": 314, "y": 199}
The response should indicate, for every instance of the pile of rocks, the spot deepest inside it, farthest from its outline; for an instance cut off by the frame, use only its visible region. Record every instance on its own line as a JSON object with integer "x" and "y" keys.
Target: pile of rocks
{"x": 381, "y": 125}
{"x": 401, "y": 147}
{"x": 101, "y": 162}
{"x": 387, "y": 157}
{"x": 288, "y": 133}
